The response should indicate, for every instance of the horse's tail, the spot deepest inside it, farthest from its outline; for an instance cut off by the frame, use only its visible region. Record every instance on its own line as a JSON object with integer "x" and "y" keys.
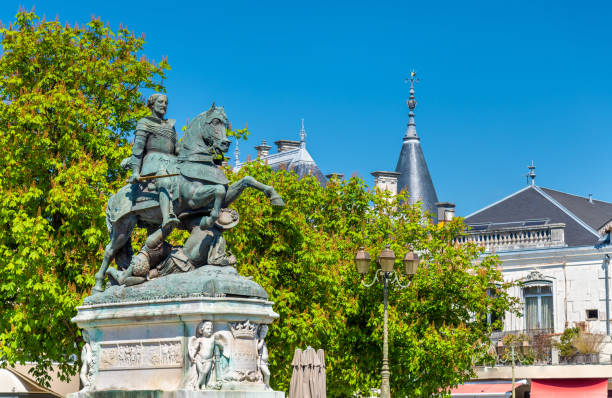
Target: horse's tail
{"x": 109, "y": 223}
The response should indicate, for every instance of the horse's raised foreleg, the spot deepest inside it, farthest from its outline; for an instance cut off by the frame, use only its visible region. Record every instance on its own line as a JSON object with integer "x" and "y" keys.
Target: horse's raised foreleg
{"x": 235, "y": 190}
{"x": 203, "y": 195}
{"x": 119, "y": 236}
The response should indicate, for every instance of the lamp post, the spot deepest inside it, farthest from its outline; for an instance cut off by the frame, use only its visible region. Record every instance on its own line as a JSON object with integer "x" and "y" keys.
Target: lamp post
{"x": 386, "y": 275}
{"x": 513, "y": 355}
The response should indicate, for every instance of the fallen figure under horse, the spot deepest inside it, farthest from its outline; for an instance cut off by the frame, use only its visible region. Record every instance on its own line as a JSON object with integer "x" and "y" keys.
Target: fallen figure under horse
{"x": 200, "y": 190}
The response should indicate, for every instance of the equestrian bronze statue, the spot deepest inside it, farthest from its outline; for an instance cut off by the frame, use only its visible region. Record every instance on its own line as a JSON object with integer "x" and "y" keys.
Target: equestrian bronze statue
{"x": 174, "y": 185}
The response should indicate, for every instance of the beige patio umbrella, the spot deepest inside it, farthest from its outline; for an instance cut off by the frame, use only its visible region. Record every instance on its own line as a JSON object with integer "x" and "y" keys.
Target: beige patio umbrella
{"x": 308, "y": 358}
{"x": 320, "y": 372}
{"x": 308, "y": 377}
{"x": 295, "y": 387}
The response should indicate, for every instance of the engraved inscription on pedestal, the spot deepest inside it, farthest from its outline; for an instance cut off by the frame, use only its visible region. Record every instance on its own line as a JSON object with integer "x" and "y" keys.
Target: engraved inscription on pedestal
{"x": 141, "y": 354}
{"x": 244, "y": 354}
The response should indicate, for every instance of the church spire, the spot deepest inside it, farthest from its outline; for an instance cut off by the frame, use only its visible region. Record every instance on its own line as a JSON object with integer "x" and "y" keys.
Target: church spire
{"x": 411, "y": 102}
{"x": 412, "y": 168}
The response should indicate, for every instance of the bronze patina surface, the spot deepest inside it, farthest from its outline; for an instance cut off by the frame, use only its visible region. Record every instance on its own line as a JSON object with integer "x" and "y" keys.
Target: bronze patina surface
{"x": 175, "y": 185}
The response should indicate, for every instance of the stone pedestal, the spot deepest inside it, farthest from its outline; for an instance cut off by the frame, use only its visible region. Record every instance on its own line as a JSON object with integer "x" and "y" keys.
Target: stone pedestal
{"x": 160, "y": 348}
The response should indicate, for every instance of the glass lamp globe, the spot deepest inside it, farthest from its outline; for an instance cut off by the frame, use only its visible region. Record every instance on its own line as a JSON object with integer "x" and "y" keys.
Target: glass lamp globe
{"x": 411, "y": 263}
{"x": 386, "y": 259}
{"x": 362, "y": 261}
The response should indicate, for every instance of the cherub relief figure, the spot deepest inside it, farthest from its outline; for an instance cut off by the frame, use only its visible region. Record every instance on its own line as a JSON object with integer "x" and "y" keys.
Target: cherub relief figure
{"x": 202, "y": 354}
{"x": 262, "y": 352}
{"x": 88, "y": 363}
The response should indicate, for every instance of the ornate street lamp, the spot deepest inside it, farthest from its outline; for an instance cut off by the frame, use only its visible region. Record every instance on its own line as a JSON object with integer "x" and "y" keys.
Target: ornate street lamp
{"x": 386, "y": 275}
{"x": 501, "y": 351}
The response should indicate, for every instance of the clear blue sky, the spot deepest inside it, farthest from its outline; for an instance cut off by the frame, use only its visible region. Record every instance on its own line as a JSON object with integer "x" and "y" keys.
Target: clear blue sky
{"x": 501, "y": 83}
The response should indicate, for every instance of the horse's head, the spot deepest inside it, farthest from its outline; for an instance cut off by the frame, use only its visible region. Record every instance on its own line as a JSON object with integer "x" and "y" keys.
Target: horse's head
{"x": 213, "y": 125}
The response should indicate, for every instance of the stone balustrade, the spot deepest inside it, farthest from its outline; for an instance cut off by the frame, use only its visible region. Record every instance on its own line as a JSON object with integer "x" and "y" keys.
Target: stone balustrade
{"x": 535, "y": 348}
{"x": 505, "y": 238}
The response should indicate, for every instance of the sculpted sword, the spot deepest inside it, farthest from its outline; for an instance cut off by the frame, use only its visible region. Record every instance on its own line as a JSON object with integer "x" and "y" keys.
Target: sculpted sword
{"x": 149, "y": 178}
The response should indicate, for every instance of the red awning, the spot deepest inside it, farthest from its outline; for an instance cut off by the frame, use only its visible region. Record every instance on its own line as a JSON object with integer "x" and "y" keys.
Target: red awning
{"x": 569, "y": 388}
{"x": 484, "y": 389}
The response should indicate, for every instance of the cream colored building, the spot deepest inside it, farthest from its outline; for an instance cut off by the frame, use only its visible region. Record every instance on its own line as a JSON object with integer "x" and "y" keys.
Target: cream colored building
{"x": 17, "y": 382}
{"x": 556, "y": 245}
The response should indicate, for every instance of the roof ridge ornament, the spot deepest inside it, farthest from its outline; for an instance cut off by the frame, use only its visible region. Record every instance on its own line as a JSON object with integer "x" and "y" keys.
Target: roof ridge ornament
{"x": 303, "y": 135}
{"x": 236, "y": 154}
{"x": 531, "y": 174}
{"x": 411, "y": 102}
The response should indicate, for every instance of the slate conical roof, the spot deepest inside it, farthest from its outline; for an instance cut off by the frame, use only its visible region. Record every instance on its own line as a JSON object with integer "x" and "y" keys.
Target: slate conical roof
{"x": 414, "y": 174}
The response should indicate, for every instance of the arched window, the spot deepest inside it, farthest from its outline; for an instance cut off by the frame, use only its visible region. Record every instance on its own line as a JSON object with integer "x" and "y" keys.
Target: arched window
{"x": 538, "y": 305}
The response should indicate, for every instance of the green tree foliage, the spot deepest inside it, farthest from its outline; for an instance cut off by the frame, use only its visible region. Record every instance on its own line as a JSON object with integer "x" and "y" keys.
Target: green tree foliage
{"x": 303, "y": 256}
{"x": 69, "y": 96}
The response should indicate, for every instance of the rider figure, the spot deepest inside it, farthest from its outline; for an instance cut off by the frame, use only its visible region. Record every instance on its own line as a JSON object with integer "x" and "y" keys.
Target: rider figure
{"x": 153, "y": 151}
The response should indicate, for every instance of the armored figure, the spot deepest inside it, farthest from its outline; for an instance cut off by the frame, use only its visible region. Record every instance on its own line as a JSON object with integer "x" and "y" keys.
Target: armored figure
{"x": 154, "y": 154}
{"x": 204, "y": 247}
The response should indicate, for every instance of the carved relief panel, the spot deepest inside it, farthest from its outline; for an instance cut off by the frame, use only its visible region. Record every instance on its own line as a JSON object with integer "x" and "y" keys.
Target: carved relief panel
{"x": 142, "y": 354}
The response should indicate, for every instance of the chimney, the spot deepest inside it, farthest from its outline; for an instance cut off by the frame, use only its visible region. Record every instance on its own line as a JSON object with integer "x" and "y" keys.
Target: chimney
{"x": 446, "y": 211}
{"x": 286, "y": 145}
{"x": 590, "y": 198}
{"x": 263, "y": 150}
{"x": 386, "y": 180}
{"x": 339, "y": 176}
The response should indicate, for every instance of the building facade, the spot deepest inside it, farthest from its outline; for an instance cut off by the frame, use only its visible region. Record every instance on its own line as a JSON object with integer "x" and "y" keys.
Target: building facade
{"x": 556, "y": 247}
{"x": 549, "y": 241}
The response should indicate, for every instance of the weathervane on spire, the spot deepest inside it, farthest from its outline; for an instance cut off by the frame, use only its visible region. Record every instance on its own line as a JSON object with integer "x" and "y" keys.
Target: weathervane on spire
{"x": 411, "y": 102}
{"x": 412, "y": 79}
{"x": 531, "y": 173}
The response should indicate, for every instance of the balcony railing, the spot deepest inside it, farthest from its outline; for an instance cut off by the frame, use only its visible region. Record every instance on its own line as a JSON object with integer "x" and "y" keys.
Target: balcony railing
{"x": 510, "y": 236}
{"x": 537, "y": 347}
{"x": 531, "y": 347}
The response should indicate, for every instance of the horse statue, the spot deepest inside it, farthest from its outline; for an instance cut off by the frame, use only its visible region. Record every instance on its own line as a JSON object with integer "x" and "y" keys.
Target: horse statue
{"x": 200, "y": 191}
